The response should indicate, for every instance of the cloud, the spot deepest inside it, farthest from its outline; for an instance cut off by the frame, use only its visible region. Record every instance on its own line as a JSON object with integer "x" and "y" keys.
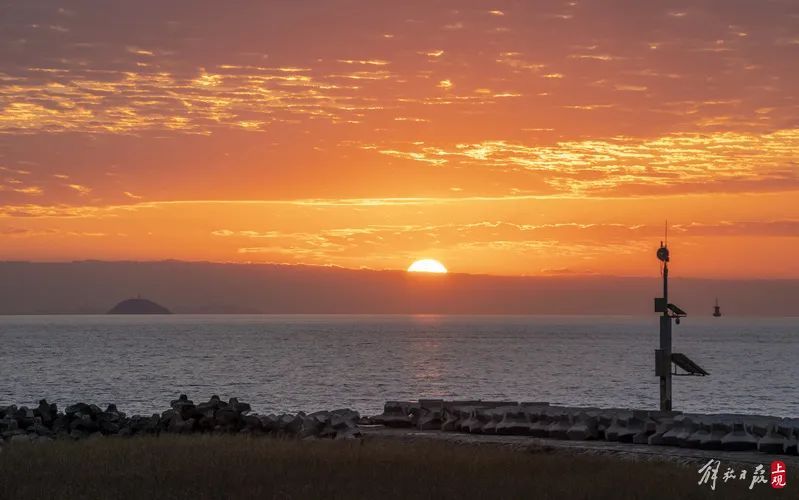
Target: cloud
{"x": 767, "y": 228}
{"x": 733, "y": 162}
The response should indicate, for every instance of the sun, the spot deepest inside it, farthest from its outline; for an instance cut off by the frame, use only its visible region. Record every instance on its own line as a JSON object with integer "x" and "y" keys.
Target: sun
{"x": 427, "y": 266}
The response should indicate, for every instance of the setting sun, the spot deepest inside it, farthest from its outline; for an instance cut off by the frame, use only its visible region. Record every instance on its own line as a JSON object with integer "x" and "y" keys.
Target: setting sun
{"x": 427, "y": 266}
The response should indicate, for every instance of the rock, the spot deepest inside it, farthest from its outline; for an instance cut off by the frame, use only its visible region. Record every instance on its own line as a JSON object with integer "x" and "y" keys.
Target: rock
{"x": 24, "y": 417}
{"x": 269, "y": 423}
{"x": 107, "y": 427}
{"x": 643, "y": 426}
{"x": 186, "y": 410}
{"x": 663, "y": 426}
{"x": 312, "y": 426}
{"x": 717, "y": 432}
{"x": 143, "y": 425}
{"x": 180, "y": 426}
{"x": 454, "y": 416}
{"x": 109, "y": 417}
{"x": 617, "y": 426}
{"x": 584, "y": 428}
{"x": 495, "y": 416}
{"x": 184, "y": 407}
{"x": 682, "y": 429}
{"x": 7, "y": 410}
{"x": 772, "y": 442}
{"x": 449, "y": 419}
{"x": 206, "y": 423}
{"x": 515, "y": 422}
{"x": 183, "y": 398}
{"x": 701, "y": 434}
{"x": 77, "y": 408}
{"x": 60, "y": 423}
{"x": 346, "y": 413}
{"x": 739, "y": 439}
{"x": 47, "y": 412}
{"x": 240, "y": 408}
{"x": 212, "y": 405}
{"x": 41, "y": 430}
{"x": 321, "y": 416}
{"x": 540, "y": 426}
{"x": 252, "y": 424}
{"x": 624, "y": 428}
{"x": 166, "y": 418}
{"x": 429, "y": 414}
{"x": 348, "y": 434}
{"x": 559, "y": 428}
{"x": 228, "y": 418}
{"x": 8, "y": 423}
{"x": 151, "y": 426}
{"x": 83, "y": 423}
{"x": 791, "y": 446}
{"x": 397, "y": 414}
{"x": 477, "y": 419}
{"x": 282, "y": 422}
{"x": 342, "y": 423}
{"x": 294, "y": 424}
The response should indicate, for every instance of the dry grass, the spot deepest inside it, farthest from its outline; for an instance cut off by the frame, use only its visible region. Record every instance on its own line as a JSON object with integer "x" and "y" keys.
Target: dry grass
{"x": 204, "y": 467}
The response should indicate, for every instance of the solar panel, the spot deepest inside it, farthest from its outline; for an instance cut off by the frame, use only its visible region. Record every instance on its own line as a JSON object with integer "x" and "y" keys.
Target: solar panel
{"x": 686, "y": 364}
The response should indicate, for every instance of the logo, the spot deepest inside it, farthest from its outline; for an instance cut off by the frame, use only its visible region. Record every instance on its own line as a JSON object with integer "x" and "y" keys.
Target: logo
{"x": 710, "y": 475}
{"x": 778, "y": 475}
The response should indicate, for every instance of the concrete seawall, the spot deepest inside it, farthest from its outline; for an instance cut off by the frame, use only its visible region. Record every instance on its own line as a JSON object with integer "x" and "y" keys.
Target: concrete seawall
{"x": 719, "y": 432}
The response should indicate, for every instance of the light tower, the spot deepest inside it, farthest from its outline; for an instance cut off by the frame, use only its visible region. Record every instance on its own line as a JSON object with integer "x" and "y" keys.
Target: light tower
{"x": 663, "y": 356}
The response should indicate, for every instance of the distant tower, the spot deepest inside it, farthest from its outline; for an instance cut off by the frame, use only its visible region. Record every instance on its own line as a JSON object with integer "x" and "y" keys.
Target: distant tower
{"x": 716, "y": 309}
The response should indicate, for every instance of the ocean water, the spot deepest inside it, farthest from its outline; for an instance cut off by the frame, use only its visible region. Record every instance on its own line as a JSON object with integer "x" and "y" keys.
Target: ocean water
{"x": 312, "y": 362}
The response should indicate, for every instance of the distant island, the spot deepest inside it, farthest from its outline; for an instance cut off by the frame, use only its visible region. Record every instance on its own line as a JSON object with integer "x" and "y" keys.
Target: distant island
{"x": 139, "y": 306}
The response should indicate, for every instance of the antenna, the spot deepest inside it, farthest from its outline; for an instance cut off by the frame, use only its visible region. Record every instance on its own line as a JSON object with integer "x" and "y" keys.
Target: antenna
{"x": 664, "y": 357}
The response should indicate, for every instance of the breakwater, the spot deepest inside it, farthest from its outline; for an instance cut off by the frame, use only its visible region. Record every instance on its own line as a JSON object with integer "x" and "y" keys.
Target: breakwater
{"x": 728, "y": 432}
{"x": 80, "y": 421}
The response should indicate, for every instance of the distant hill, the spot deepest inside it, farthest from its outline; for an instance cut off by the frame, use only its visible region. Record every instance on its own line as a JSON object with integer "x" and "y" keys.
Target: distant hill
{"x": 138, "y": 306}
{"x": 191, "y": 287}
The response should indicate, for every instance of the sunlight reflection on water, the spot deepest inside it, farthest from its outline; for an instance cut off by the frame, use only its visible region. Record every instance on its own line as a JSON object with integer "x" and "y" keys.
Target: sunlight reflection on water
{"x": 290, "y": 363}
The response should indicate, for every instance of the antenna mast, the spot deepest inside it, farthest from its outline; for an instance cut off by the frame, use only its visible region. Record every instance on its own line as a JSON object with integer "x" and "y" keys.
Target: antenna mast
{"x": 663, "y": 356}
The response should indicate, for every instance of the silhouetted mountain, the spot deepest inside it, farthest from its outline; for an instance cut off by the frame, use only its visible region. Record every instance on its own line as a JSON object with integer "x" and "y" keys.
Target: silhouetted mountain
{"x": 84, "y": 287}
{"x": 138, "y": 306}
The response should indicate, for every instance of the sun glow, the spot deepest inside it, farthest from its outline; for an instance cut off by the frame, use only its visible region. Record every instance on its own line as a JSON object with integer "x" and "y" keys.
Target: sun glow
{"x": 427, "y": 266}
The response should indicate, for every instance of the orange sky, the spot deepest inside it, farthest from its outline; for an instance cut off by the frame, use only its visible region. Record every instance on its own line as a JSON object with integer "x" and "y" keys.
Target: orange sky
{"x": 505, "y": 137}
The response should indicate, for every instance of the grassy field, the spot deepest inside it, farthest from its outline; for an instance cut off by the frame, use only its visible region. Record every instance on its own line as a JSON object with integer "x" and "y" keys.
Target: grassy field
{"x": 205, "y": 467}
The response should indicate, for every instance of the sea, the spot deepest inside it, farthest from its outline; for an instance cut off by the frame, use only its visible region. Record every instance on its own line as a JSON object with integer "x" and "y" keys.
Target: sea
{"x": 287, "y": 363}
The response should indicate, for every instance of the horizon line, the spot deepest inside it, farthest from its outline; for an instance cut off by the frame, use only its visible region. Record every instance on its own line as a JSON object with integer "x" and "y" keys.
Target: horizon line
{"x": 563, "y": 275}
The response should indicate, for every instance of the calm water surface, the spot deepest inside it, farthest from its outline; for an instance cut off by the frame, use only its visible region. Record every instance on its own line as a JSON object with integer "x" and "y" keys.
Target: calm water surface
{"x": 290, "y": 363}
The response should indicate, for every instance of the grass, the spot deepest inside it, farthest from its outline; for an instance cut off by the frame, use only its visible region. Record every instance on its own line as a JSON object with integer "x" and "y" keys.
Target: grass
{"x": 216, "y": 467}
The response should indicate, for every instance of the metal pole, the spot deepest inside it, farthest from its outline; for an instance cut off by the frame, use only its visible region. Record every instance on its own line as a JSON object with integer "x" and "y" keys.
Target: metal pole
{"x": 665, "y": 347}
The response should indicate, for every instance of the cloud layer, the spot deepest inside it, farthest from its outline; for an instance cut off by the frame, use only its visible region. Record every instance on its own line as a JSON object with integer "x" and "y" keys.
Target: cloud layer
{"x": 486, "y": 132}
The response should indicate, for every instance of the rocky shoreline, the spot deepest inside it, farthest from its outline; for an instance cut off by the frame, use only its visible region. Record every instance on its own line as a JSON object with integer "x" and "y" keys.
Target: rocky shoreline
{"x": 82, "y": 421}
{"x": 723, "y": 432}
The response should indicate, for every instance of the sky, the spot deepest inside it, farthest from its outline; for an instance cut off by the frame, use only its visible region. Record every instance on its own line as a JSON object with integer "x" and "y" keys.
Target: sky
{"x": 499, "y": 137}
